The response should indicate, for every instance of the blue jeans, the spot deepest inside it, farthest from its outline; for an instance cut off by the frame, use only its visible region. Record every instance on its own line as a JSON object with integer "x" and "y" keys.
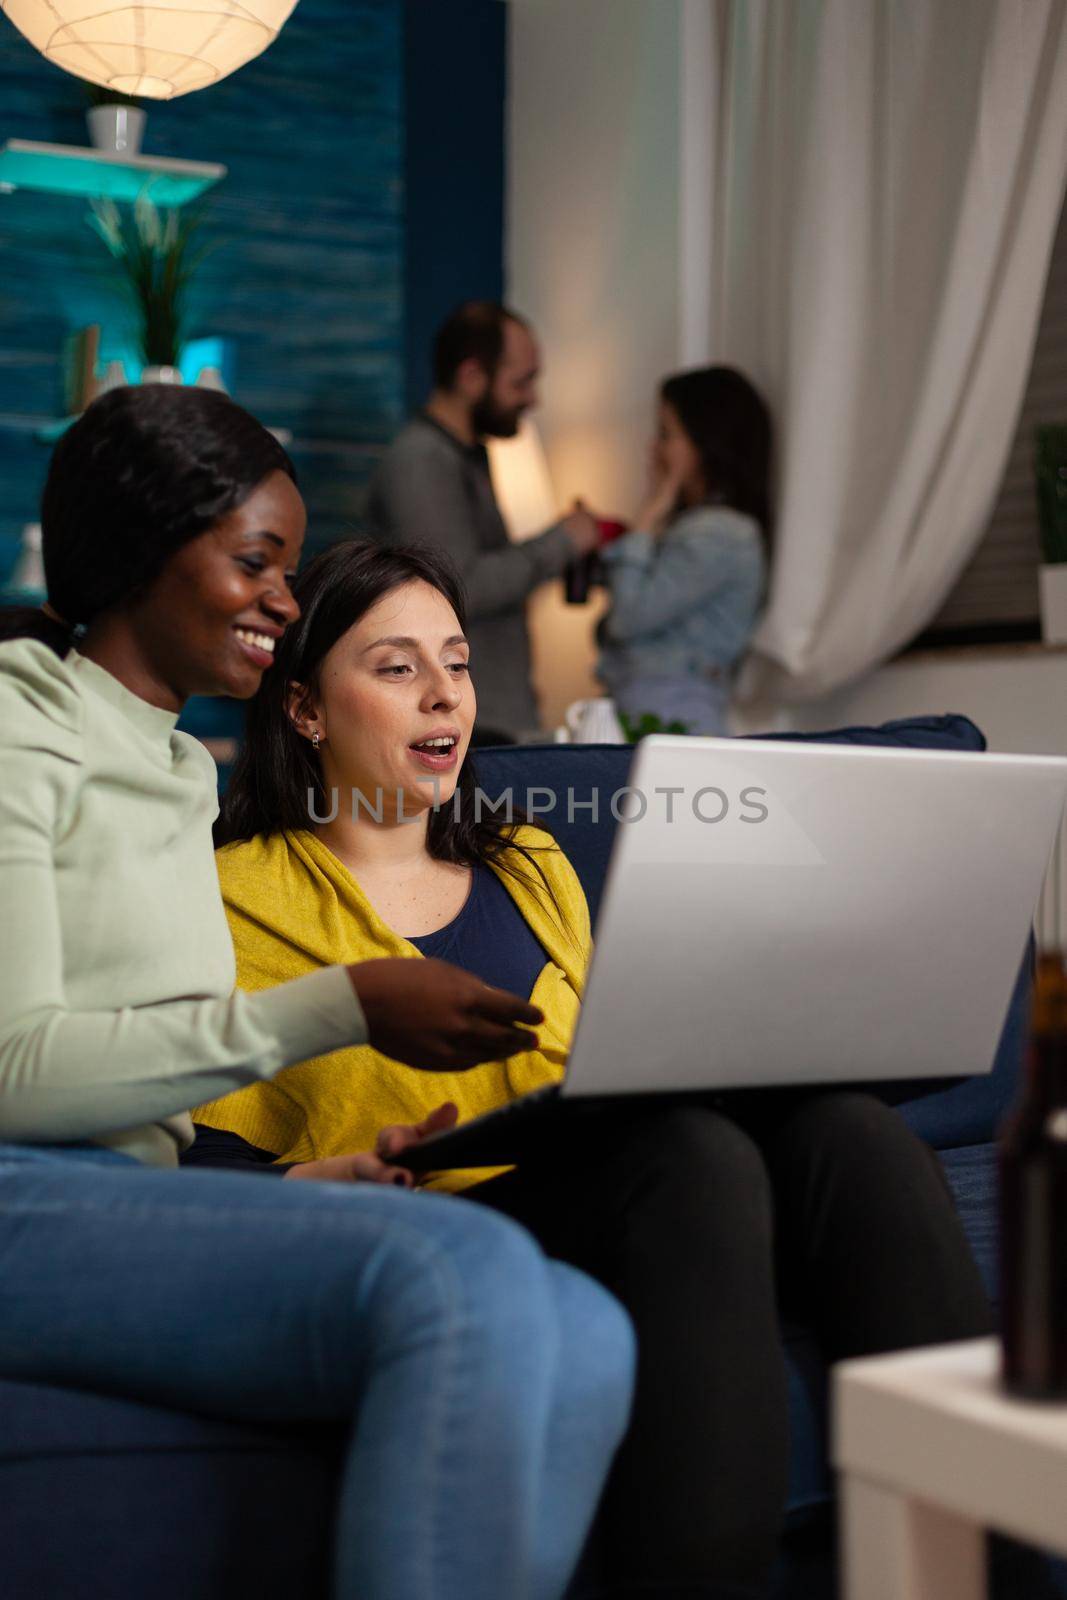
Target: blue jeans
{"x": 489, "y": 1386}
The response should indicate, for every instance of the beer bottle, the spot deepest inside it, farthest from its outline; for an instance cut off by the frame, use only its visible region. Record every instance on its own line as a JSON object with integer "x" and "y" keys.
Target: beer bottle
{"x": 1033, "y": 1203}
{"x": 580, "y": 575}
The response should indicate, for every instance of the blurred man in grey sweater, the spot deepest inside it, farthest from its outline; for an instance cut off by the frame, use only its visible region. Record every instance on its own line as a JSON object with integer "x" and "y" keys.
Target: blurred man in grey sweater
{"x": 434, "y": 487}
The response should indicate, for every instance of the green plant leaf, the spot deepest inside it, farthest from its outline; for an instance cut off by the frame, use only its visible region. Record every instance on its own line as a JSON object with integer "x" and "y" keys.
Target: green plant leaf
{"x": 104, "y": 219}
{"x": 147, "y": 221}
{"x": 648, "y": 723}
{"x": 153, "y": 246}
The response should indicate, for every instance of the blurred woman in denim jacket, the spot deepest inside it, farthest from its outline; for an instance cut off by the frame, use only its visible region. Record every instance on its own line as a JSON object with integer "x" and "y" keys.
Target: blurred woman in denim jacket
{"x": 687, "y": 584}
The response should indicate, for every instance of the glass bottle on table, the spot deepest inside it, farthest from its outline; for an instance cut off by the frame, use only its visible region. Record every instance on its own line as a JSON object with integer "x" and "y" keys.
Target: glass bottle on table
{"x": 1033, "y": 1202}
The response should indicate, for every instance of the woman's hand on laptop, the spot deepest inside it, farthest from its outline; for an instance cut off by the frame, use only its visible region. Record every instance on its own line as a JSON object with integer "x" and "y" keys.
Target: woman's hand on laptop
{"x": 437, "y": 1017}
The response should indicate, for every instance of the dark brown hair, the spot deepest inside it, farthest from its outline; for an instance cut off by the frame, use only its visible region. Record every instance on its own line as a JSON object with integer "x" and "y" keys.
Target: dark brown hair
{"x": 475, "y": 329}
{"x": 141, "y": 473}
{"x": 730, "y": 425}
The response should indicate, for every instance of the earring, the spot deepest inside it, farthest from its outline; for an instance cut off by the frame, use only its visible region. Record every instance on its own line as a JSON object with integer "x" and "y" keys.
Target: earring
{"x": 316, "y": 739}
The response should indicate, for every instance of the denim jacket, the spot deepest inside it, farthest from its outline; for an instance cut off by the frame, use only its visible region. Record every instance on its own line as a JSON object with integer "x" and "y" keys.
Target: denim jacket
{"x": 685, "y": 605}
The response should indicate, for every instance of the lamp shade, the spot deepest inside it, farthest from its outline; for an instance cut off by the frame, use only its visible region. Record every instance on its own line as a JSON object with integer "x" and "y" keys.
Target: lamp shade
{"x": 152, "y": 48}
{"x": 523, "y": 482}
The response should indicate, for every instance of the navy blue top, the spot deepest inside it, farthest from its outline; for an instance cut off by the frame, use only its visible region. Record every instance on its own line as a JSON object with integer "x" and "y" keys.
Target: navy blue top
{"x": 490, "y": 938}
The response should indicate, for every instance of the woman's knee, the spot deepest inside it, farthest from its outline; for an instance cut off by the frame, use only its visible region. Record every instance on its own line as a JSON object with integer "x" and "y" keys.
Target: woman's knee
{"x": 488, "y": 1247}
{"x": 850, "y": 1125}
{"x": 701, "y": 1142}
{"x": 851, "y": 1146}
{"x": 598, "y": 1349}
{"x": 705, "y": 1167}
{"x": 445, "y": 1268}
{"x": 539, "y": 1326}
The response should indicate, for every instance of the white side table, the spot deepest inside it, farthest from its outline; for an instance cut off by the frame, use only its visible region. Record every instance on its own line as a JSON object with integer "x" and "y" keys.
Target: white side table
{"x": 931, "y": 1454}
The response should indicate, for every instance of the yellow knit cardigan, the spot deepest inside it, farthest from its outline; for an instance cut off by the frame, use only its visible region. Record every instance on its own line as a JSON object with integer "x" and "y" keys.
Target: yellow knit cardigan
{"x": 292, "y": 907}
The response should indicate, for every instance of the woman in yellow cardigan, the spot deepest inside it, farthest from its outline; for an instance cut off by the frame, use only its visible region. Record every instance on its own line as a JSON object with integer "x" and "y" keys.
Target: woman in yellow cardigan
{"x": 292, "y": 897}
{"x": 353, "y": 832}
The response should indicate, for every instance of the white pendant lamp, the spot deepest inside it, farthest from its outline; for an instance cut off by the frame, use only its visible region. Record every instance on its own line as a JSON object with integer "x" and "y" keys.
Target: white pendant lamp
{"x": 152, "y": 48}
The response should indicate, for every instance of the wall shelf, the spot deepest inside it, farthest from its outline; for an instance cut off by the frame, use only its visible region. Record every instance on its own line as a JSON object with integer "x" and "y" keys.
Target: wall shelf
{"x": 81, "y": 170}
{"x": 15, "y": 422}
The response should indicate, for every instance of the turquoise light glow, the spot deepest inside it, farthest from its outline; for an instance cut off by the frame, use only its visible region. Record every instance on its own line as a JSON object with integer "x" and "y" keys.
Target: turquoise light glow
{"x": 117, "y": 345}
{"x": 196, "y": 355}
{"x": 88, "y": 173}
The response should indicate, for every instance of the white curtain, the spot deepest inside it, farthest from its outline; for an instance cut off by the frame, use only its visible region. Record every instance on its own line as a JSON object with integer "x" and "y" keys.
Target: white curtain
{"x": 888, "y": 176}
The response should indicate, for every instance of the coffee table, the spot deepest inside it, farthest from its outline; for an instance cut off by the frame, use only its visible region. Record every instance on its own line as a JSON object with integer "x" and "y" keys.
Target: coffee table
{"x": 931, "y": 1454}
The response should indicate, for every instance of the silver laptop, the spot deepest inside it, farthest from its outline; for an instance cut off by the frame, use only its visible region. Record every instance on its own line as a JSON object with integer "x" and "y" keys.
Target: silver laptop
{"x": 780, "y": 914}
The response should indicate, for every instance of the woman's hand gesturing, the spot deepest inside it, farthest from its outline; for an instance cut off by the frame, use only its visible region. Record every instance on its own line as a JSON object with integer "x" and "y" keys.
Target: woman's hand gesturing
{"x": 376, "y": 1168}
{"x": 361, "y": 1168}
{"x": 393, "y": 1141}
{"x": 437, "y": 1017}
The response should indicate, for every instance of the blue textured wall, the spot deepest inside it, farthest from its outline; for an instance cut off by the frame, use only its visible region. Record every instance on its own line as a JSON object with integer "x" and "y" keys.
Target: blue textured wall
{"x": 454, "y": 85}
{"x": 308, "y": 274}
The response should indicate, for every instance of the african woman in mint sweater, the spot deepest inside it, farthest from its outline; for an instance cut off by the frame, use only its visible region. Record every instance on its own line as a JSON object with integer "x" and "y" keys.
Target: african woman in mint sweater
{"x": 477, "y": 1390}
{"x": 353, "y": 830}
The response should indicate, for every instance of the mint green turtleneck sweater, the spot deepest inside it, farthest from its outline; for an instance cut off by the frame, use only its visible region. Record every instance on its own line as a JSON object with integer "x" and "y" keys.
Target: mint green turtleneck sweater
{"x": 117, "y": 1001}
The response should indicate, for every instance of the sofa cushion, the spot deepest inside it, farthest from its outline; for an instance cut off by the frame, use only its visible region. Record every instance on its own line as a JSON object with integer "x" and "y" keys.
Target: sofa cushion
{"x": 42, "y": 1419}
{"x": 950, "y": 731}
{"x": 972, "y": 1174}
{"x": 108, "y": 1499}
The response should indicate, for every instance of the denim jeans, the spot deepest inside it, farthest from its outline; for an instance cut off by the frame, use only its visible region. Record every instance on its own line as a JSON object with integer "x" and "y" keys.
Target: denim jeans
{"x": 489, "y": 1387}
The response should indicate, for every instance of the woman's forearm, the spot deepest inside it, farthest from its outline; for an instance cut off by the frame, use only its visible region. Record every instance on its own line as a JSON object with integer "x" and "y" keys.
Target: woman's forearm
{"x": 73, "y": 1075}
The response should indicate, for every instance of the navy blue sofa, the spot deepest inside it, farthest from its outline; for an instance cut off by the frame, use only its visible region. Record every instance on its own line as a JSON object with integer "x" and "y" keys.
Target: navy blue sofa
{"x": 108, "y": 1499}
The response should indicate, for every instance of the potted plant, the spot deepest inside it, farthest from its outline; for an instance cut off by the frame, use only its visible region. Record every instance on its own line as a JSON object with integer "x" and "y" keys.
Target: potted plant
{"x": 638, "y": 728}
{"x": 152, "y": 248}
{"x": 1050, "y": 468}
{"x": 116, "y": 121}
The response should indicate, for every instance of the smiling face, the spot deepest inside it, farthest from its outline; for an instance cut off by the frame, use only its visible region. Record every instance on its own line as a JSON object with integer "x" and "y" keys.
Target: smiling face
{"x": 394, "y": 704}
{"x": 210, "y": 621}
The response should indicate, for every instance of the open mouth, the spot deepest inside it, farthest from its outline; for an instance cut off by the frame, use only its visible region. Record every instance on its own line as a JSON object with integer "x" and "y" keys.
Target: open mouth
{"x": 258, "y": 646}
{"x": 438, "y": 753}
